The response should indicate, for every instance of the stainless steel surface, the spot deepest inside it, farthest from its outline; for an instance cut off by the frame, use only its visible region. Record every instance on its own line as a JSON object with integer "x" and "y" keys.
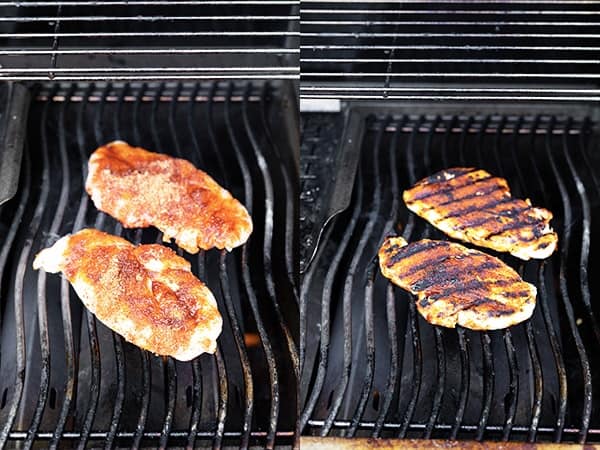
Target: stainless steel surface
{"x": 497, "y": 50}
{"x": 149, "y": 40}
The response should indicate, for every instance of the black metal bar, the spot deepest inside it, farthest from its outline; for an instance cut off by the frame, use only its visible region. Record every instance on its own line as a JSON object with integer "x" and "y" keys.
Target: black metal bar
{"x": 513, "y": 386}
{"x": 239, "y": 341}
{"x": 196, "y": 368}
{"x": 150, "y": 435}
{"x": 488, "y": 387}
{"x": 415, "y": 340}
{"x": 197, "y": 158}
{"x": 147, "y": 3}
{"x": 223, "y": 396}
{"x": 585, "y": 233}
{"x": 144, "y": 356}
{"x": 464, "y": 382}
{"x": 266, "y": 250}
{"x": 393, "y": 374}
{"x": 564, "y": 292}
{"x": 390, "y": 299}
{"x": 71, "y": 361}
{"x": 117, "y": 339}
{"x": 446, "y": 427}
{"x": 370, "y": 350}
{"x": 69, "y": 388}
{"x": 263, "y": 165}
{"x": 251, "y": 294}
{"x": 90, "y": 319}
{"x": 529, "y": 333}
{"x": 290, "y": 216}
{"x": 358, "y": 252}
{"x": 488, "y": 362}
{"x": 20, "y": 340}
{"x": 440, "y": 380}
{"x": 417, "y": 368}
{"x": 225, "y": 262}
{"x": 171, "y": 396}
{"x": 327, "y": 294}
{"x": 155, "y": 126}
{"x": 42, "y": 311}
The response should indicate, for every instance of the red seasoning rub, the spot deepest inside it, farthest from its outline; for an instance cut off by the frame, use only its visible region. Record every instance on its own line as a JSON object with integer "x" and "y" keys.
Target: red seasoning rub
{"x": 147, "y": 293}
{"x": 476, "y": 207}
{"x": 456, "y": 285}
{"x": 141, "y": 188}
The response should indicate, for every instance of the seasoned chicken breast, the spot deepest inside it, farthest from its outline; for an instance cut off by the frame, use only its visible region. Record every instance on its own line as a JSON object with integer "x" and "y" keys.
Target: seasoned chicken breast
{"x": 457, "y": 285}
{"x": 473, "y": 206}
{"x": 147, "y": 293}
{"x": 141, "y": 188}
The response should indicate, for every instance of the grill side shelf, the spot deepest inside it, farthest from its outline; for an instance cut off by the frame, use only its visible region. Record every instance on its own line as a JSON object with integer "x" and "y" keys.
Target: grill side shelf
{"x": 13, "y": 120}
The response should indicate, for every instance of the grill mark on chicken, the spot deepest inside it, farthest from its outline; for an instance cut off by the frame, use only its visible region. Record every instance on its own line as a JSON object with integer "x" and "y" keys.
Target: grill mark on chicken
{"x": 485, "y": 217}
{"x": 440, "y": 262}
{"x": 448, "y": 190}
{"x": 406, "y": 252}
{"x": 456, "y": 285}
{"x": 474, "y": 204}
{"x": 478, "y": 188}
{"x": 479, "y": 209}
{"x": 450, "y": 287}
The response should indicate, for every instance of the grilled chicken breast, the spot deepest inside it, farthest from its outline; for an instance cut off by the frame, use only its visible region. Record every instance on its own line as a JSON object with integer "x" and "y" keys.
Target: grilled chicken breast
{"x": 141, "y": 188}
{"x": 457, "y": 285}
{"x": 473, "y": 206}
{"x": 147, "y": 293}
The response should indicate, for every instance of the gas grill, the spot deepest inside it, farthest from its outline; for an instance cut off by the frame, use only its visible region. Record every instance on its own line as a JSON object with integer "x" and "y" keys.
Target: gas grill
{"x": 67, "y": 379}
{"x": 208, "y": 81}
{"x": 392, "y": 93}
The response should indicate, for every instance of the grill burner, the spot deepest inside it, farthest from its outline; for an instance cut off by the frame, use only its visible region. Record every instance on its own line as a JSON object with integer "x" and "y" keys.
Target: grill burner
{"x": 373, "y": 367}
{"x": 65, "y": 378}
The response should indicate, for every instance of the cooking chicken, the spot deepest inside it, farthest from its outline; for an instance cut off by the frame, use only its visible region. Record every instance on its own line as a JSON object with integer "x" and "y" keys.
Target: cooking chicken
{"x": 473, "y": 206}
{"x": 456, "y": 285}
{"x": 141, "y": 188}
{"x": 147, "y": 293}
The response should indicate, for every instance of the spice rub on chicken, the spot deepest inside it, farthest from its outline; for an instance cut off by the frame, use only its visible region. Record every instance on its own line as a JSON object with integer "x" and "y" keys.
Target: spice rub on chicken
{"x": 141, "y": 188}
{"x": 456, "y": 285}
{"x": 473, "y": 206}
{"x": 147, "y": 293}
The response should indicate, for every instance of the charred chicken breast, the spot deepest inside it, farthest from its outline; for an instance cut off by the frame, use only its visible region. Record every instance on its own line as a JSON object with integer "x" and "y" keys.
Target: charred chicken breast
{"x": 141, "y": 188}
{"x": 456, "y": 285}
{"x": 147, "y": 293}
{"x": 473, "y": 206}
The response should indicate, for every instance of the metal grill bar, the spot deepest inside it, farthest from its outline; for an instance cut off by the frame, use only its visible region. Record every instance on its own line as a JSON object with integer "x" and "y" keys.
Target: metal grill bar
{"x": 30, "y": 4}
{"x": 346, "y": 44}
{"x": 155, "y": 40}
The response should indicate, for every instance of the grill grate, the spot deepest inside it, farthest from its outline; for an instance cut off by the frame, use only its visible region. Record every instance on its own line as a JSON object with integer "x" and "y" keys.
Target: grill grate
{"x": 149, "y": 40}
{"x": 510, "y": 50}
{"x": 66, "y": 377}
{"x": 373, "y": 367}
